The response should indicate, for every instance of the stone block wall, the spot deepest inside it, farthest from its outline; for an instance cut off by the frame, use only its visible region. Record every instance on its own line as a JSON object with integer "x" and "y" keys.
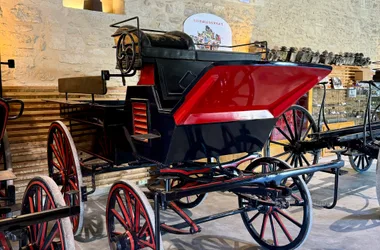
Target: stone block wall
{"x": 50, "y": 41}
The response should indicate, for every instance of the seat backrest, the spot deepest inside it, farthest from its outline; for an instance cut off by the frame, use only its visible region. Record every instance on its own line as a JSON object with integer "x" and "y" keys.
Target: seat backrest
{"x": 95, "y": 85}
{"x": 4, "y": 111}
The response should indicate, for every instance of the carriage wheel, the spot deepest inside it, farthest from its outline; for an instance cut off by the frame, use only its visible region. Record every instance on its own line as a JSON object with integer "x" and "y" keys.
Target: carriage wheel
{"x": 290, "y": 147}
{"x": 64, "y": 168}
{"x": 360, "y": 163}
{"x": 5, "y": 244}
{"x": 43, "y": 194}
{"x": 129, "y": 218}
{"x": 285, "y": 225}
{"x": 189, "y": 201}
{"x": 6, "y": 161}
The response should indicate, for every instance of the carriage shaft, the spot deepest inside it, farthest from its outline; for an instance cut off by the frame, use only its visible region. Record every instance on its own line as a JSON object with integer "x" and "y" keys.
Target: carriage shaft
{"x": 25, "y": 220}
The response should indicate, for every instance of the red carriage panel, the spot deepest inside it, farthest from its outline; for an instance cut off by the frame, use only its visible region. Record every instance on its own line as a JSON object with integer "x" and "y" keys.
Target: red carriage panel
{"x": 228, "y": 93}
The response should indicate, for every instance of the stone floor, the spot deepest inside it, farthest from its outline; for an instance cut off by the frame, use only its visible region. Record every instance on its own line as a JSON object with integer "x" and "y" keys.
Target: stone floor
{"x": 353, "y": 224}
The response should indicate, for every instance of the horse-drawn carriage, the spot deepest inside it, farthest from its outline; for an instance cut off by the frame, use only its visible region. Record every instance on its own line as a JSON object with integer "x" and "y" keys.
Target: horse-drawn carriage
{"x": 188, "y": 105}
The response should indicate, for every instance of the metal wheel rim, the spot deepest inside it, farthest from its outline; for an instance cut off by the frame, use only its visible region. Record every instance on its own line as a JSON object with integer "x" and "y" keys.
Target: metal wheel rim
{"x": 131, "y": 233}
{"x": 274, "y": 217}
{"x": 360, "y": 163}
{"x": 43, "y": 194}
{"x": 70, "y": 152}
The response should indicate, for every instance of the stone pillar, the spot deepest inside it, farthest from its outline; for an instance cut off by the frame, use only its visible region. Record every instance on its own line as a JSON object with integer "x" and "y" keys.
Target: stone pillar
{"x": 76, "y": 4}
{"x": 108, "y": 6}
{"x": 118, "y": 7}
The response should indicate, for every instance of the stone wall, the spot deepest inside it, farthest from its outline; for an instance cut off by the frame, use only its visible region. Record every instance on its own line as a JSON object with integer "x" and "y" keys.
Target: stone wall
{"x": 50, "y": 41}
{"x": 338, "y": 26}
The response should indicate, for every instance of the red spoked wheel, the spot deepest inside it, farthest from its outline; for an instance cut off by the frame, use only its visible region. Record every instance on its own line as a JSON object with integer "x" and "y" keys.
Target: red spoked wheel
{"x": 130, "y": 218}
{"x": 6, "y": 162}
{"x": 189, "y": 201}
{"x": 42, "y": 194}
{"x": 64, "y": 168}
{"x": 284, "y": 225}
{"x": 4, "y": 242}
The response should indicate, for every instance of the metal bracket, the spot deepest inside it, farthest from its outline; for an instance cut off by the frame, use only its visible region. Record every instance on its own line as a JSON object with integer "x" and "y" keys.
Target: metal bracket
{"x": 84, "y": 193}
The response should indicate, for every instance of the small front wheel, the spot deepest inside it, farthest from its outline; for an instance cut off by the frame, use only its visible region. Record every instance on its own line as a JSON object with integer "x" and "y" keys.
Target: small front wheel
{"x": 129, "y": 218}
{"x": 360, "y": 163}
{"x": 278, "y": 222}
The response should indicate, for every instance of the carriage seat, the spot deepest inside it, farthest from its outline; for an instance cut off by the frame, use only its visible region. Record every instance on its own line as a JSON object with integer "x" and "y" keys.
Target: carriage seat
{"x": 94, "y": 85}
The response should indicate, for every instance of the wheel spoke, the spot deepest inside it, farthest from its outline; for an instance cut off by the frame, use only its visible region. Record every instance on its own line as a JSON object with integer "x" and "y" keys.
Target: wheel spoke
{"x": 301, "y": 125}
{"x": 59, "y": 146}
{"x": 273, "y": 230}
{"x": 129, "y": 205}
{"x": 59, "y": 159}
{"x": 263, "y": 226}
{"x": 288, "y": 217}
{"x": 305, "y": 160}
{"x": 295, "y": 161}
{"x": 284, "y": 134}
{"x": 254, "y": 217}
{"x": 295, "y": 125}
{"x": 363, "y": 162}
{"x": 366, "y": 159}
{"x": 120, "y": 219}
{"x": 299, "y": 200}
{"x": 359, "y": 162}
{"x": 123, "y": 210}
{"x": 282, "y": 154}
{"x": 300, "y": 160}
{"x": 307, "y": 132}
{"x": 287, "y": 159}
{"x": 72, "y": 184}
{"x": 144, "y": 243}
{"x": 288, "y": 126}
{"x": 284, "y": 229}
{"x": 50, "y": 237}
{"x": 279, "y": 143}
{"x": 137, "y": 217}
{"x": 143, "y": 230}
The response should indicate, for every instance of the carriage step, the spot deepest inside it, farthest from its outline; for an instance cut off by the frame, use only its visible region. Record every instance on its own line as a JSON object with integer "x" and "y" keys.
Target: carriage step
{"x": 7, "y": 175}
{"x": 332, "y": 171}
{"x": 145, "y": 137}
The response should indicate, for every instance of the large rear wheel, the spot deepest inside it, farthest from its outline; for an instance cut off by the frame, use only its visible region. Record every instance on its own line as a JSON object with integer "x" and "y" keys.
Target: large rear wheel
{"x": 282, "y": 222}
{"x": 43, "y": 194}
{"x": 291, "y": 129}
{"x": 64, "y": 168}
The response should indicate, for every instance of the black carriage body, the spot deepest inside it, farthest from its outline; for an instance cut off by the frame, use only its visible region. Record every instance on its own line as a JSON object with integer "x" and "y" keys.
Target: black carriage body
{"x": 191, "y": 142}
